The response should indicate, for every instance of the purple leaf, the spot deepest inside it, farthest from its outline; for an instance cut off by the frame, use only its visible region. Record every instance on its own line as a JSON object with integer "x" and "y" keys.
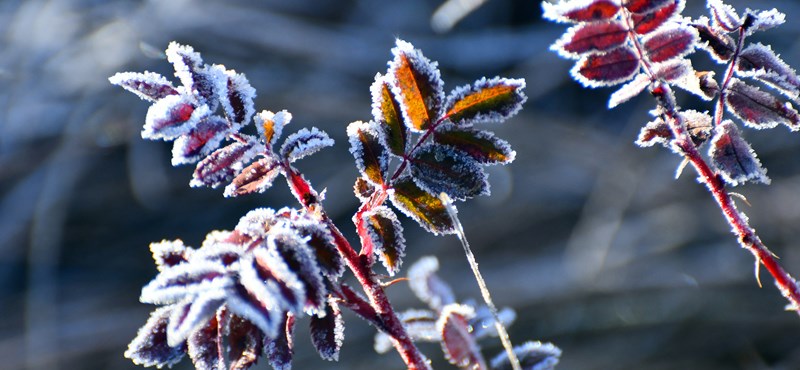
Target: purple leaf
{"x": 387, "y": 112}
{"x": 438, "y": 168}
{"x": 724, "y": 16}
{"x": 718, "y": 44}
{"x": 270, "y": 126}
{"x": 245, "y": 343}
{"x": 168, "y": 253}
{"x": 680, "y": 73}
{"x": 255, "y": 178}
{"x": 629, "y": 90}
{"x": 201, "y": 140}
{"x": 148, "y": 85}
{"x": 651, "y": 21}
{"x": 590, "y": 38}
{"x": 224, "y": 163}
{"x": 580, "y": 11}
{"x": 486, "y": 100}
{"x": 238, "y": 99}
{"x": 482, "y": 146}
{"x": 203, "y": 347}
{"x": 191, "y": 314}
{"x": 322, "y": 244}
{"x": 386, "y": 235}
{"x": 150, "y": 347}
{"x": 327, "y": 332}
{"x": 427, "y": 286}
{"x": 304, "y": 143}
{"x": 277, "y": 294}
{"x": 367, "y": 146}
{"x": 760, "y": 62}
{"x": 300, "y": 259}
{"x": 218, "y": 248}
{"x": 172, "y": 116}
{"x": 759, "y": 109}
{"x": 187, "y": 279}
{"x": 458, "y": 345}
{"x": 196, "y": 77}
{"x": 670, "y": 43}
{"x": 764, "y": 20}
{"x": 426, "y": 209}
{"x": 280, "y": 348}
{"x": 363, "y": 189}
{"x": 614, "y": 67}
{"x": 532, "y": 356}
{"x": 246, "y": 305}
{"x": 417, "y": 85}
{"x": 733, "y": 157}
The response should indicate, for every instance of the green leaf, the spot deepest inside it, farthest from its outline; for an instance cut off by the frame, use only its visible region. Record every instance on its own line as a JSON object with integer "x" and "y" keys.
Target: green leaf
{"x": 386, "y": 234}
{"x": 492, "y": 100}
{"x": 426, "y": 209}
{"x": 388, "y": 114}
{"x": 372, "y": 159}
{"x": 443, "y": 169}
{"x": 481, "y": 145}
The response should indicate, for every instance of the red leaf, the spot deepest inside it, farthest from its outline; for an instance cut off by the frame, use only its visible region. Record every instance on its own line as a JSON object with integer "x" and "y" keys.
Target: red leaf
{"x": 200, "y": 141}
{"x": 733, "y": 157}
{"x": 327, "y": 332}
{"x": 614, "y": 67}
{"x": 458, "y": 345}
{"x": 649, "y": 22}
{"x": 670, "y": 43}
{"x": 644, "y": 6}
{"x": 583, "y": 12}
{"x": 245, "y": 343}
{"x": 591, "y": 37}
{"x": 255, "y": 178}
{"x": 718, "y": 44}
{"x": 223, "y": 164}
{"x": 150, "y": 347}
{"x": 724, "y": 16}
{"x": 203, "y": 347}
{"x": 148, "y": 85}
{"x": 759, "y": 109}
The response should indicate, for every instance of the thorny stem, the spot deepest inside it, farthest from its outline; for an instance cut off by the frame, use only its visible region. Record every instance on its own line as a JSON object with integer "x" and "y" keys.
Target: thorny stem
{"x": 487, "y": 298}
{"x": 385, "y": 319}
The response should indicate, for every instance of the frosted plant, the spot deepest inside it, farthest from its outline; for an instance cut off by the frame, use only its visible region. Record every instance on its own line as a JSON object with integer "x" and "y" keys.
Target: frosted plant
{"x": 237, "y": 298}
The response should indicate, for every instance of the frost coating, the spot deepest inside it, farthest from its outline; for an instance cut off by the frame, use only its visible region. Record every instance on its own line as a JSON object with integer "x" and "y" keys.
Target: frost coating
{"x": 427, "y": 286}
{"x": 304, "y": 143}
{"x": 223, "y": 164}
{"x": 175, "y": 283}
{"x": 204, "y": 138}
{"x": 172, "y": 116}
{"x": 486, "y": 100}
{"x": 386, "y": 234}
{"x": 291, "y": 289}
{"x": 532, "y": 356}
{"x": 238, "y": 102}
{"x": 327, "y": 332}
{"x": 417, "y": 85}
{"x": 590, "y": 38}
{"x": 580, "y": 10}
{"x": 368, "y": 148}
{"x": 440, "y": 168}
{"x": 150, "y": 347}
{"x": 765, "y": 20}
{"x": 270, "y": 125}
{"x": 191, "y": 314}
{"x": 629, "y": 90}
{"x": 724, "y": 16}
{"x": 148, "y": 85}
{"x": 168, "y": 253}
{"x": 257, "y": 222}
{"x": 733, "y": 157}
{"x": 759, "y": 61}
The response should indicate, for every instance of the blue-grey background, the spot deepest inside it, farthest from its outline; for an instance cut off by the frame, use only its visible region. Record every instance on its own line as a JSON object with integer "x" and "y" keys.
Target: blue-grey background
{"x": 592, "y": 240}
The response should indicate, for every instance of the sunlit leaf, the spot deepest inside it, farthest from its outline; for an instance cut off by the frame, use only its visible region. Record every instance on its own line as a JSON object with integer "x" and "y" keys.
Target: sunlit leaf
{"x": 327, "y": 332}
{"x": 191, "y": 314}
{"x": 363, "y": 189}
{"x": 426, "y": 209}
{"x": 718, "y": 44}
{"x": 148, "y": 85}
{"x": 301, "y": 260}
{"x": 733, "y": 157}
{"x": 304, "y": 143}
{"x": 224, "y": 163}
{"x": 203, "y": 347}
{"x": 487, "y": 100}
{"x": 614, "y": 67}
{"x": 670, "y": 43}
{"x": 698, "y": 124}
{"x": 481, "y": 145}
{"x": 238, "y": 100}
{"x": 279, "y": 348}
{"x": 188, "y": 279}
{"x": 438, "y": 168}
{"x": 651, "y": 21}
{"x": 386, "y": 111}
{"x": 246, "y": 305}
{"x": 458, "y": 345}
{"x": 764, "y": 20}
{"x": 322, "y": 243}
{"x": 420, "y": 326}
{"x": 197, "y": 79}
{"x": 366, "y": 145}
{"x": 580, "y": 11}
{"x": 680, "y": 73}
{"x": 270, "y": 125}
{"x": 644, "y": 6}
{"x": 531, "y": 355}
{"x": 417, "y": 85}
{"x": 760, "y": 62}
{"x": 172, "y": 116}
{"x": 255, "y": 178}
{"x": 257, "y": 223}
{"x": 200, "y": 141}
{"x": 590, "y": 38}
{"x": 245, "y": 343}
{"x": 277, "y": 290}
{"x": 150, "y": 347}
{"x": 759, "y": 109}
{"x": 386, "y": 234}
{"x": 168, "y": 253}
{"x": 428, "y": 286}
{"x": 724, "y": 16}
{"x": 217, "y": 247}
{"x": 629, "y": 90}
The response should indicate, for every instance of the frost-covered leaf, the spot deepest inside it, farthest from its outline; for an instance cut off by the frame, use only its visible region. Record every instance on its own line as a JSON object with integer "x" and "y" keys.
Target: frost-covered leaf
{"x": 148, "y": 85}
{"x": 257, "y": 222}
{"x": 426, "y": 209}
{"x": 224, "y": 163}
{"x": 759, "y": 109}
{"x": 150, "y": 347}
{"x": 655, "y": 132}
{"x": 590, "y": 38}
{"x": 458, "y": 345}
{"x": 192, "y": 313}
{"x": 218, "y": 247}
{"x": 280, "y": 348}
{"x": 483, "y": 323}
{"x": 614, "y": 67}
{"x": 733, "y": 157}
{"x": 698, "y": 124}
{"x": 172, "y": 116}
{"x": 327, "y": 332}
{"x": 366, "y": 145}
{"x": 427, "y": 286}
{"x": 323, "y": 245}
{"x": 386, "y": 235}
{"x": 238, "y": 99}
{"x": 417, "y": 85}
{"x": 246, "y": 305}
{"x": 386, "y": 111}
{"x": 188, "y": 279}
{"x": 255, "y": 178}
{"x": 203, "y": 347}
{"x": 276, "y": 294}
{"x": 531, "y": 355}
{"x": 245, "y": 343}
{"x": 363, "y": 189}
{"x": 487, "y": 100}
{"x": 680, "y": 73}
{"x": 764, "y": 20}
{"x": 580, "y": 11}
{"x": 717, "y": 43}
{"x": 168, "y": 253}
{"x": 760, "y": 62}
{"x": 270, "y": 125}
{"x": 196, "y": 77}
{"x": 644, "y": 6}
{"x": 629, "y": 90}
{"x": 439, "y": 168}
{"x": 201, "y": 140}
{"x": 724, "y": 16}
{"x": 651, "y": 21}
{"x": 304, "y": 143}
{"x": 670, "y": 43}
{"x": 420, "y": 326}
{"x": 301, "y": 260}
{"x": 481, "y": 145}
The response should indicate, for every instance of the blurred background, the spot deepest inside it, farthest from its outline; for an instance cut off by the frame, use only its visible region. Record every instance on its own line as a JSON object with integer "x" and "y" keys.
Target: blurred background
{"x": 589, "y": 238}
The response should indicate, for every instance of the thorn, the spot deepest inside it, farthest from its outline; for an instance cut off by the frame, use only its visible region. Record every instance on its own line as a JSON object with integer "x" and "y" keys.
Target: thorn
{"x": 742, "y": 197}
{"x": 758, "y": 273}
{"x": 680, "y": 168}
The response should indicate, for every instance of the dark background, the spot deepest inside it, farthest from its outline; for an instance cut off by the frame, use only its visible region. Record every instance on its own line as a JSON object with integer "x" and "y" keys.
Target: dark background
{"x": 589, "y": 238}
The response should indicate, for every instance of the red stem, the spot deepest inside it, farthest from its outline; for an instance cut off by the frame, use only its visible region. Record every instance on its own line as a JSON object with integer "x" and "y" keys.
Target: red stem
{"x": 385, "y": 317}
